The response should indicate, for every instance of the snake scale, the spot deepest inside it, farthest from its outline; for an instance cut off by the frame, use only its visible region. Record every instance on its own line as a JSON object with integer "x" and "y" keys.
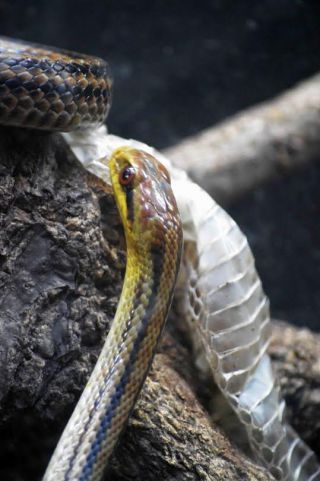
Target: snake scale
{"x": 219, "y": 290}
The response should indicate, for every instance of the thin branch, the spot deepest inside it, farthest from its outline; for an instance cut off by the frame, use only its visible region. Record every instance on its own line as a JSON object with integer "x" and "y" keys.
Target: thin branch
{"x": 260, "y": 143}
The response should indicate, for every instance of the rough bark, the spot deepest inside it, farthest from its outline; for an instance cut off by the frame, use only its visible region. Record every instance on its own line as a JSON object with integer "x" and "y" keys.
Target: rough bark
{"x": 61, "y": 268}
{"x": 296, "y": 355}
{"x": 61, "y": 271}
{"x": 60, "y": 281}
{"x": 170, "y": 435}
{"x": 262, "y": 142}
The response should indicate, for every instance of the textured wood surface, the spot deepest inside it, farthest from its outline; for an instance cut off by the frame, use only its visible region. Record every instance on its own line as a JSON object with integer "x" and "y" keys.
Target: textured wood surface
{"x": 61, "y": 270}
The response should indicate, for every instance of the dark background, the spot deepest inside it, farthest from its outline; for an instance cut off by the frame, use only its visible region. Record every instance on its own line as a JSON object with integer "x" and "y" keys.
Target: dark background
{"x": 181, "y": 66}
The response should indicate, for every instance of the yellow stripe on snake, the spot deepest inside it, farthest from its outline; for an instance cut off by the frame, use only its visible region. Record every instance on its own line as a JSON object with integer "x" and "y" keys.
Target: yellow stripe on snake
{"x": 220, "y": 294}
{"x": 154, "y": 238}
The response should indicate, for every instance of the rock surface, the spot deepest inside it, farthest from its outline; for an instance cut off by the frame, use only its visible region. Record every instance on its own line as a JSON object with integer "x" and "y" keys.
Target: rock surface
{"x": 61, "y": 270}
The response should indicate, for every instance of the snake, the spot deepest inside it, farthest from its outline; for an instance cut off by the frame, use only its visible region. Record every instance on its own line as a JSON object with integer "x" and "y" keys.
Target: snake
{"x": 153, "y": 234}
{"x": 217, "y": 288}
{"x": 51, "y": 89}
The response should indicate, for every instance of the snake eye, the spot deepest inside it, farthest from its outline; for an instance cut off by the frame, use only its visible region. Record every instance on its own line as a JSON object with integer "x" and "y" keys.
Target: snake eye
{"x": 126, "y": 176}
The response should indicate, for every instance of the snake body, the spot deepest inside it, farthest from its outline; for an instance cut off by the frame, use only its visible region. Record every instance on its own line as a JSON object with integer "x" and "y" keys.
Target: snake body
{"x": 222, "y": 297}
{"x": 154, "y": 238}
{"x": 51, "y": 89}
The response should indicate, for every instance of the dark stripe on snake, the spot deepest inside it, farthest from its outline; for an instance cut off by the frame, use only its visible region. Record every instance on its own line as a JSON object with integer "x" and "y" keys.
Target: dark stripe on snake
{"x": 157, "y": 256}
{"x": 130, "y": 204}
{"x": 106, "y": 382}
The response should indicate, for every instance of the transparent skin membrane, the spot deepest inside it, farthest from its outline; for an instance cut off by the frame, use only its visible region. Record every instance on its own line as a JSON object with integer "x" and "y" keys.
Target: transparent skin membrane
{"x": 222, "y": 299}
{"x": 228, "y": 313}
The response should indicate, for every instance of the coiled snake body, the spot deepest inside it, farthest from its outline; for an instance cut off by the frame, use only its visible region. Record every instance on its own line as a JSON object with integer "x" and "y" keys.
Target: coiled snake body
{"x": 51, "y": 89}
{"x": 220, "y": 292}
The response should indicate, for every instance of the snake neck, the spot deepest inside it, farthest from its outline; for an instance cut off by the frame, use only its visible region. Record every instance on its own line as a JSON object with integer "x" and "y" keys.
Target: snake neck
{"x": 140, "y": 302}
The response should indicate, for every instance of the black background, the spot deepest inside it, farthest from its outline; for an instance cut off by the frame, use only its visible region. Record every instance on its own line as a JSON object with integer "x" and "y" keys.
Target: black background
{"x": 181, "y": 66}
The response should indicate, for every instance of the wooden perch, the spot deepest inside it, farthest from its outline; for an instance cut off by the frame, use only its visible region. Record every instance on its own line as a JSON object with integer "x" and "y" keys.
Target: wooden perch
{"x": 255, "y": 145}
{"x": 61, "y": 270}
{"x": 296, "y": 356}
{"x": 62, "y": 265}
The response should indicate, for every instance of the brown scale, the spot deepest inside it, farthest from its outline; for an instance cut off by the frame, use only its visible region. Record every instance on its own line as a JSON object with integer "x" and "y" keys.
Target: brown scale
{"x": 51, "y": 89}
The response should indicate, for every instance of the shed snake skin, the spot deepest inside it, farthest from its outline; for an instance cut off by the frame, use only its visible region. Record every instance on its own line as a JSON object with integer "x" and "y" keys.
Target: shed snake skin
{"x": 220, "y": 293}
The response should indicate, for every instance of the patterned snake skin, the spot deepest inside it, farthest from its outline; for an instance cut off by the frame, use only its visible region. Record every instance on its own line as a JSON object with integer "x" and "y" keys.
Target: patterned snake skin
{"x": 153, "y": 233}
{"x": 51, "y": 89}
{"x": 222, "y": 296}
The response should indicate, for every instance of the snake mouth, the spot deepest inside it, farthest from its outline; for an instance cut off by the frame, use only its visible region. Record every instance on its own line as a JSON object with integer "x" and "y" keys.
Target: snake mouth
{"x": 97, "y": 183}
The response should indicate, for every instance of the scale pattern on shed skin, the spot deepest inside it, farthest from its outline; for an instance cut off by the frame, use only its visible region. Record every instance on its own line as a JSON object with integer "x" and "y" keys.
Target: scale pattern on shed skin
{"x": 228, "y": 313}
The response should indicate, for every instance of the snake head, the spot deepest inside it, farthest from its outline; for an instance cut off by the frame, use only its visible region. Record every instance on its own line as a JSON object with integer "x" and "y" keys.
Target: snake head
{"x": 143, "y": 195}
